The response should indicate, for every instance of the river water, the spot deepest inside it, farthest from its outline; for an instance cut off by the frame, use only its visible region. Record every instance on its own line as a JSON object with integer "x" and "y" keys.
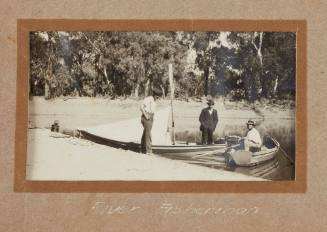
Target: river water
{"x": 283, "y": 130}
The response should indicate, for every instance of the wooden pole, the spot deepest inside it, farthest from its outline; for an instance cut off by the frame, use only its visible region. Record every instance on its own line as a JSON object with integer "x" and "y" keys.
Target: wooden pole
{"x": 171, "y": 83}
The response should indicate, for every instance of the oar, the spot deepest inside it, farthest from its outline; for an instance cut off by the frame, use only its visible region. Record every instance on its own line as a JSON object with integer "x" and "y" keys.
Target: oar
{"x": 286, "y": 155}
{"x": 282, "y": 149}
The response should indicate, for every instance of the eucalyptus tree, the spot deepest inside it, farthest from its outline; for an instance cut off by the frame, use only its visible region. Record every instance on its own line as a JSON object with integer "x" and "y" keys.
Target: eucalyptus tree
{"x": 266, "y": 63}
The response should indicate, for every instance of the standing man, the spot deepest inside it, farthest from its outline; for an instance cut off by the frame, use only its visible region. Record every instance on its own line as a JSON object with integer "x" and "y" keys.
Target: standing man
{"x": 208, "y": 119}
{"x": 252, "y": 141}
{"x": 148, "y": 108}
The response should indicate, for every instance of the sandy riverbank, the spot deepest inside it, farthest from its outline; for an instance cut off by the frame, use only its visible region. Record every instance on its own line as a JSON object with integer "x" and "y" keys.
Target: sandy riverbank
{"x": 53, "y": 157}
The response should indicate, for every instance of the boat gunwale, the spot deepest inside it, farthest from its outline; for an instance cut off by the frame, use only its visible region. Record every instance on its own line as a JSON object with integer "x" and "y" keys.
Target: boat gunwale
{"x": 168, "y": 147}
{"x": 191, "y": 146}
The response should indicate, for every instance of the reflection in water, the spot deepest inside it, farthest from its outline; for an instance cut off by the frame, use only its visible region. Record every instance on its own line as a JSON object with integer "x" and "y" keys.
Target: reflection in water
{"x": 283, "y": 130}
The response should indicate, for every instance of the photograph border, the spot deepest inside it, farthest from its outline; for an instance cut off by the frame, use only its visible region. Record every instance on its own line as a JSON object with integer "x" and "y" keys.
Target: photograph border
{"x": 25, "y": 26}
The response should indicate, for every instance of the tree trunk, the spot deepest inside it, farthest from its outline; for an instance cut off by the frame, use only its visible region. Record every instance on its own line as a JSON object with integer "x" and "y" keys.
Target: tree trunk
{"x": 258, "y": 85}
{"x": 146, "y": 89}
{"x": 46, "y": 90}
{"x": 163, "y": 91}
{"x": 275, "y": 86}
{"x": 258, "y": 48}
{"x": 265, "y": 91}
{"x": 47, "y": 81}
{"x": 136, "y": 90}
{"x": 103, "y": 67}
{"x": 105, "y": 74}
{"x": 206, "y": 80}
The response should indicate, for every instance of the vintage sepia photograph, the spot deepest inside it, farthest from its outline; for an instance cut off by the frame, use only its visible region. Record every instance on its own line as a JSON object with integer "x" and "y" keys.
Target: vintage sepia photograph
{"x": 162, "y": 106}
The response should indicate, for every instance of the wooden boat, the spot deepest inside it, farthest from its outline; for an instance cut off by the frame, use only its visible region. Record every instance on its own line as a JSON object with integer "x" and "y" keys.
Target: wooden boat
{"x": 216, "y": 155}
{"x": 212, "y": 155}
{"x": 246, "y": 158}
{"x": 179, "y": 150}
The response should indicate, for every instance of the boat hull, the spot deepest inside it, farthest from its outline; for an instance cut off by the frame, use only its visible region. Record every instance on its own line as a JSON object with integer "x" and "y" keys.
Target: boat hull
{"x": 178, "y": 150}
{"x": 189, "y": 150}
{"x": 215, "y": 153}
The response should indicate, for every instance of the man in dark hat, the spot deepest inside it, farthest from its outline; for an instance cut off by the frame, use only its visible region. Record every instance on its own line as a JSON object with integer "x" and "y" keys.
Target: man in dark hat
{"x": 252, "y": 141}
{"x": 148, "y": 108}
{"x": 208, "y": 119}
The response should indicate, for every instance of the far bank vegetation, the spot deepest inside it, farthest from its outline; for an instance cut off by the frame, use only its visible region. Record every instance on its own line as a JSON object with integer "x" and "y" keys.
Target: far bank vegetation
{"x": 242, "y": 67}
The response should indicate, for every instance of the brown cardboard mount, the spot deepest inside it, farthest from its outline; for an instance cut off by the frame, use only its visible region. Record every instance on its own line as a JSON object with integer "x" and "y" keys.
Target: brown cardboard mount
{"x": 24, "y": 26}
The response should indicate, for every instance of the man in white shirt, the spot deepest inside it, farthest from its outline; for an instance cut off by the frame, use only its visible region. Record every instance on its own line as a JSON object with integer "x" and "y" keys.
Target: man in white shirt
{"x": 252, "y": 141}
{"x": 148, "y": 107}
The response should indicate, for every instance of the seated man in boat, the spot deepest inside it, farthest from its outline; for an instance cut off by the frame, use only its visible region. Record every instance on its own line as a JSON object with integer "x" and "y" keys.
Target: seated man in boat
{"x": 208, "y": 119}
{"x": 148, "y": 108}
{"x": 252, "y": 141}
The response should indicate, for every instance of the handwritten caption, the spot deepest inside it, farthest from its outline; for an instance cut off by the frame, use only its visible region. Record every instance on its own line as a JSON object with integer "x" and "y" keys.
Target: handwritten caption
{"x": 105, "y": 208}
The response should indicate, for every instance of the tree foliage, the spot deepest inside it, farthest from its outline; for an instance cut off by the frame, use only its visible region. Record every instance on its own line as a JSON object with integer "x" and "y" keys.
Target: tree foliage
{"x": 265, "y": 63}
{"x": 251, "y": 65}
